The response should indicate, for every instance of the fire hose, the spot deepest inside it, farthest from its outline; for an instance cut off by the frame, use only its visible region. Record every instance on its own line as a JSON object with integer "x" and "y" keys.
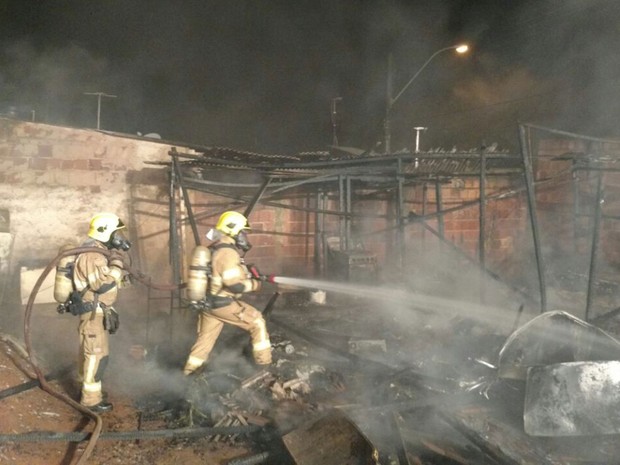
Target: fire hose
{"x": 32, "y": 360}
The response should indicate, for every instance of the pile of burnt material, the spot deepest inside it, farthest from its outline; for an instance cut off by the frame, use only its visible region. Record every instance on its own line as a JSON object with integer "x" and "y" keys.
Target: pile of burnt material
{"x": 544, "y": 394}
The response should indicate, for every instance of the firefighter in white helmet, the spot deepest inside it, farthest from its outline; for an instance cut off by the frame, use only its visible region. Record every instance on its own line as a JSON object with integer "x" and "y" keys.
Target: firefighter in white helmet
{"x": 230, "y": 278}
{"x": 97, "y": 279}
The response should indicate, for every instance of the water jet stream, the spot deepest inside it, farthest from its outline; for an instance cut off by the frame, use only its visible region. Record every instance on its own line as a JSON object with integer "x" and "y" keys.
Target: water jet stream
{"x": 412, "y": 300}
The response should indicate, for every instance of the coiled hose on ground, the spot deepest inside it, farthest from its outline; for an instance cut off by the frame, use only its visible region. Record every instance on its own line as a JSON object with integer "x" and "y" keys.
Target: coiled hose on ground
{"x": 31, "y": 356}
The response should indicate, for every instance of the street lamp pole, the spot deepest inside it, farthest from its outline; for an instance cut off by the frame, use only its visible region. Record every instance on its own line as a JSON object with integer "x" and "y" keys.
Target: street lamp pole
{"x": 99, "y": 95}
{"x": 390, "y": 101}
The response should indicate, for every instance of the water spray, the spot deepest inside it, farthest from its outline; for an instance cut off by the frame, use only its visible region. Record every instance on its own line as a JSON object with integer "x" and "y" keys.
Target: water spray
{"x": 407, "y": 299}
{"x": 498, "y": 317}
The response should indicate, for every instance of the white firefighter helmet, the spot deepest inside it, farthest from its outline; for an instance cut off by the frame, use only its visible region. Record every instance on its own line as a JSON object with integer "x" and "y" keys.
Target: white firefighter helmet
{"x": 103, "y": 225}
{"x": 232, "y": 223}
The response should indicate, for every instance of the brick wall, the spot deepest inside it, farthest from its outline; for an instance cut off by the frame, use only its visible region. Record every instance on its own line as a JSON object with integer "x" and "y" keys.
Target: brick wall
{"x": 505, "y": 218}
{"x": 562, "y": 232}
{"x": 54, "y": 179}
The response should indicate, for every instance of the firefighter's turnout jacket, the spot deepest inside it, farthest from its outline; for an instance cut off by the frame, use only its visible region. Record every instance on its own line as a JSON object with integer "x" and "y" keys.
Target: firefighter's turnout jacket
{"x": 99, "y": 279}
{"x": 230, "y": 279}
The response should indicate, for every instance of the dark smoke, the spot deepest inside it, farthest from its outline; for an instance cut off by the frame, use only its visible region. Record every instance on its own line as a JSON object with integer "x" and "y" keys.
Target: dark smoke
{"x": 262, "y": 76}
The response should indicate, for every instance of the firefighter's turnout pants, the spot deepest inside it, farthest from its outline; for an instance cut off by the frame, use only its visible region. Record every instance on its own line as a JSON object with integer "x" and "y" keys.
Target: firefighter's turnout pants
{"x": 210, "y": 325}
{"x": 94, "y": 351}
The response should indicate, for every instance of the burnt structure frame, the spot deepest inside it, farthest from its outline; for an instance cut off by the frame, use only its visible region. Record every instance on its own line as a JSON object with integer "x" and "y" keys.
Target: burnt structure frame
{"x": 593, "y": 161}
{"x": 346, "y": 178}
{"x": 353, "y": 176}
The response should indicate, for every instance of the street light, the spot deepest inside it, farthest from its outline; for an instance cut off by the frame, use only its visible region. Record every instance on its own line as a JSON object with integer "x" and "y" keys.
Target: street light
{"x": 390, "y": 101}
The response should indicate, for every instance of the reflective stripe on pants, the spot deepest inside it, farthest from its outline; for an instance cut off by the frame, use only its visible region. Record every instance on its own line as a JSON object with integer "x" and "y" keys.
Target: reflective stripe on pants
{"x": 238, "y": 314}
{"x": 94, "y": 346}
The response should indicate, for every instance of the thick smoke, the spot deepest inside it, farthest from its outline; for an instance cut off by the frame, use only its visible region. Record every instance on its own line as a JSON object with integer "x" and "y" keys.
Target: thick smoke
{"x": 242, "y": 76}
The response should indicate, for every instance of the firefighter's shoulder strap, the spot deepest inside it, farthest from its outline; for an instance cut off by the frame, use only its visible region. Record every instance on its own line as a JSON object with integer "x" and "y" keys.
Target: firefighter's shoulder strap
{"x": 76, "y": 303}
{"x": 215, "y": 247}
{"x": 216, "y": 300}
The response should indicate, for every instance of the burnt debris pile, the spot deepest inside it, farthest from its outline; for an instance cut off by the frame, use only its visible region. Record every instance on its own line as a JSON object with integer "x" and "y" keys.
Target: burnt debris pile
{"x": 347, "y": 386}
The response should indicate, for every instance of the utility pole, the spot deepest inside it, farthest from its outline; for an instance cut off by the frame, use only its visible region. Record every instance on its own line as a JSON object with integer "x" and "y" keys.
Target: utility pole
{"x": 334, "y": 120}
{"x": 99, "y": 95}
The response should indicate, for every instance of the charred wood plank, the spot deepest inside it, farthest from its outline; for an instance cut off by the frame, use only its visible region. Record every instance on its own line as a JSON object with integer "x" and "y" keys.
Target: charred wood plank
{"x": 497, "y": 441}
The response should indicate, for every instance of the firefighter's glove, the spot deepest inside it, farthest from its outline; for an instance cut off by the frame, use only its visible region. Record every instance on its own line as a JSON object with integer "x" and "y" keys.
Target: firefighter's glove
{"x": 197, "y": 306}
{"x": 111, "y": 320}
{"x": 126, "y": 281}
{"x": 255, "y": 274}
{"x": 259, "y": 276}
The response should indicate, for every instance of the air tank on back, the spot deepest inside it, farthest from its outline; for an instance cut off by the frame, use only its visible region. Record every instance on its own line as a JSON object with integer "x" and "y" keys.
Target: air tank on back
{"x": 199, "y": 270}
{"x": 63, "y": 283}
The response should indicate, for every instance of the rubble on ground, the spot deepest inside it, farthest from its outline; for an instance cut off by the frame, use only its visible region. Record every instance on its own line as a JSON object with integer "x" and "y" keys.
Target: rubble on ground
{"x": 455, "y": 393}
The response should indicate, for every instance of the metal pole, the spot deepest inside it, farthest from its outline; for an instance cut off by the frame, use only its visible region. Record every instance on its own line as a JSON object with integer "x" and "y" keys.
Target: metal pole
{"x": 324, "y": 244}
{"x": 186, "y": 199}
{"x": 335, "y": 120}
{"x": 99, "y": 95}
{"x": 98, "y": 111}
{"x": 575, "y": 187}
{"x": 482, "y": 223}
{"x": 347, "y": 240}
{"x": 256, "y": 198}
{"x": 318, "y": 235}
{"x": 173, "y": 248}
{"x": 417, "y": 130}
{"x": 424, "y": 206}
{"x": 595, "y": 241}
{"x": 388, "y": 108}
{"x": 482, "y": 207}
{"x": 438, "y": 200}
{"x": 342, "y": 209}
{"x": 528, "y": 172}
{"x": 400, "y": 215}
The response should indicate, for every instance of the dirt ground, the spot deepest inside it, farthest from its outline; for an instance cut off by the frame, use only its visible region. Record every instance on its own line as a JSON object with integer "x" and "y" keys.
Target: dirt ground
{"x": 36, "y": 410}
{"x": 391, "y": 333}
{"x": 132, "y": 382}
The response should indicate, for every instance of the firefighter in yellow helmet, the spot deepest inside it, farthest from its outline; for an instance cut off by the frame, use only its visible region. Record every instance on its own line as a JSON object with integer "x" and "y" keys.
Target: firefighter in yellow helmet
{"x": 97, "y": 279}
{"x": 230, "y": 278}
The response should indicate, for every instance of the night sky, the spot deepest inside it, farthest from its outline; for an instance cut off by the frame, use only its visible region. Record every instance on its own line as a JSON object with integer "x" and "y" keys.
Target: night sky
{"x": 262, "y": 75}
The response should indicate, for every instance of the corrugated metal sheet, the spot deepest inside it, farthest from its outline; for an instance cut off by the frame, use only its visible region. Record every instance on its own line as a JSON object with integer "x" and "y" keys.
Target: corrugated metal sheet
{"x": 347, "y": 163}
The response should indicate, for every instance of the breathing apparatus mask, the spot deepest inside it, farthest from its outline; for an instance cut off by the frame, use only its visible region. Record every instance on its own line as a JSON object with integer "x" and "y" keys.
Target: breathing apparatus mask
{"x": 242, "y": 242}
{"x": 119, "y": 242}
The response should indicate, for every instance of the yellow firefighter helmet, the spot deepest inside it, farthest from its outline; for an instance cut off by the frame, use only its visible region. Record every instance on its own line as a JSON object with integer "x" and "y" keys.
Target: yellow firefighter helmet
{"x": 232, "y": 223}
{"x": 103, "y": 225}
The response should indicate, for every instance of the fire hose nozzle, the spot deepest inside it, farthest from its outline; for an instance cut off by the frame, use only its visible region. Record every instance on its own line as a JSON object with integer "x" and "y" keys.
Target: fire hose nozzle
{"x": 259, "y": 276}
